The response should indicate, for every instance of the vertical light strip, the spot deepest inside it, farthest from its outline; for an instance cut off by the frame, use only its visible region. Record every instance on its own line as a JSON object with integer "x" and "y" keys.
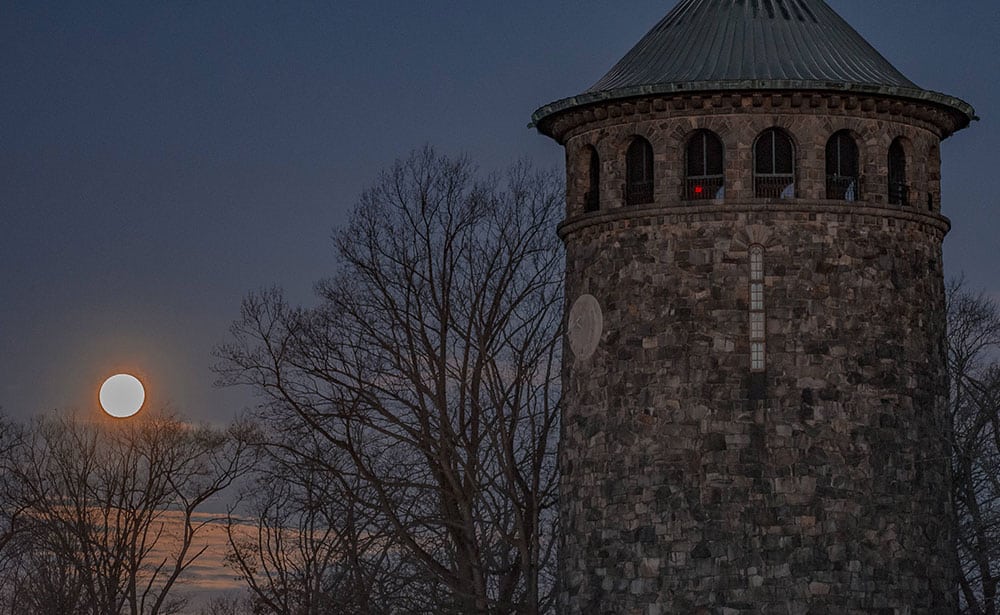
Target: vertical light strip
{"x": 757, "y": 322}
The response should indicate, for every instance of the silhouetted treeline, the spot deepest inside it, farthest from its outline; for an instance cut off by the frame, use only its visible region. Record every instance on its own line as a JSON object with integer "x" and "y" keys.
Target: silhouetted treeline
{"x": 86, "y": 505}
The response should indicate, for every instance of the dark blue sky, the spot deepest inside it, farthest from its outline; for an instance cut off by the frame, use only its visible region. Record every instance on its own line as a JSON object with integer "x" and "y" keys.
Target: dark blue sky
{"x": 158, "y": 160}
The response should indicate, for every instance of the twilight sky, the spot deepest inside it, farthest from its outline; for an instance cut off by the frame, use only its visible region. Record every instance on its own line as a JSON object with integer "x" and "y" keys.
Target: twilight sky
{"x": 158, "y": 160}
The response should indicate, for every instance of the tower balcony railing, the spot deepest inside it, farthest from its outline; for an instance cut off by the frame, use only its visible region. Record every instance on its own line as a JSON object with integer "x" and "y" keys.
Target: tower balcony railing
{"x": 899, "y": 193}
{"x": 774, "y": 186}
{"x": 705, "y": 188}
{"x": 842, "y": 188}
{"x": 638, "y": 193}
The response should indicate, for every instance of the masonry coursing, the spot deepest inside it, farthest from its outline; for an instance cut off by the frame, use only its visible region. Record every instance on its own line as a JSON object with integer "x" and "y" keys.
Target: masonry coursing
{"x": 680, "y": 489}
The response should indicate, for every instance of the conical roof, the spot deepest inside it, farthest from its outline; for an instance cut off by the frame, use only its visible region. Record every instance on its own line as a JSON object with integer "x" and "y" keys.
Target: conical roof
{"x": 759, "y": 40}
{"x": 718, "y": 45}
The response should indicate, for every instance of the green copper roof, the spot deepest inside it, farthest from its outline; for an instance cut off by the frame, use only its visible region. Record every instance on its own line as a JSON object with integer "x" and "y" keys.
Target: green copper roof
{"x": 737, "y": 40}
{"x": 705, "y": 45}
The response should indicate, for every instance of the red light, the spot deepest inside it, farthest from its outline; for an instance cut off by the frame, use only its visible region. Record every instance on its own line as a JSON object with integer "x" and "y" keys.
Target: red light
{"x": 698, "y": 189}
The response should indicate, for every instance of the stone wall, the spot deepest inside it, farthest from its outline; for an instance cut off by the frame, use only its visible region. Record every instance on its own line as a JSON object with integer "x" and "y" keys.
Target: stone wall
{"x": 682, "y": 492}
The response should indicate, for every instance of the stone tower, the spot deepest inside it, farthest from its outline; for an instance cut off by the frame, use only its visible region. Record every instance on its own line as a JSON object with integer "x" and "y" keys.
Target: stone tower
{"x": 755, "y": 390}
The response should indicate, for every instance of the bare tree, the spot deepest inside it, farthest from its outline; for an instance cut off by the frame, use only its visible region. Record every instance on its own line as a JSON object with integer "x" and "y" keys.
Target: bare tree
{"x": 10, "y": 551}
{"x": 31, "y": 579}
{"x": 974, "y": 370}
{"x": 231, "y": 605}
{"x": 34, "y": 581}
{"x": 302, "y": 545}
{"x": 98, "y": 501}
{"x": 431, "y": 365}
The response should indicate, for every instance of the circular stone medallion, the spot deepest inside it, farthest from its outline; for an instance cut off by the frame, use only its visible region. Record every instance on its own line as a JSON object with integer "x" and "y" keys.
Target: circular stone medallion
{"x": 586, "y": 323}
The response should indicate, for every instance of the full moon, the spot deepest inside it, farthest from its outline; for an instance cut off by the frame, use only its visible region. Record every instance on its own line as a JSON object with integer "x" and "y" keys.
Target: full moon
{"x": 122, "y": 395}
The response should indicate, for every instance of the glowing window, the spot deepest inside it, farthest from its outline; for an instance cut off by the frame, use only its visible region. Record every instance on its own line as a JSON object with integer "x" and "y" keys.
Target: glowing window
{"x": 704, "y": 164}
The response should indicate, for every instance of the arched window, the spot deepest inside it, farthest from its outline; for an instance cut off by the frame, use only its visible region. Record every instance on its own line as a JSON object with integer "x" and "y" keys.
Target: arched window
{"x": 842, "y": 167}
{"x": 704, "y": 164}
{"x": 639, "y": 172}
{"x": 592, "y": 197}
{"x": 933, "y": 178}
{"x": 898, "y": 190}
{"x": 774, "y": 165}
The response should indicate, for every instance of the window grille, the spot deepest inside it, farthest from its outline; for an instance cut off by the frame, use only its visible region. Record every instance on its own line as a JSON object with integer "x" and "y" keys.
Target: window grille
{"x": 592, "y": 198}
{"x": 757, "y": 263}
{"x": 704, "y": 167}
{"x": 639, "y": 172}
{"x": 842, "y": 167}
{"x": 898, "y": 190}
{"x": 774, "y": 165}
{"x": 758, "y": 327}
{"x": 757, "y": 356}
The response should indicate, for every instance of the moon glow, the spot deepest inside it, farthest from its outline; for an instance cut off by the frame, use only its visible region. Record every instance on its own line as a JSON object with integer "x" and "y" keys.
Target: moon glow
{"x": 122, "y": 395}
